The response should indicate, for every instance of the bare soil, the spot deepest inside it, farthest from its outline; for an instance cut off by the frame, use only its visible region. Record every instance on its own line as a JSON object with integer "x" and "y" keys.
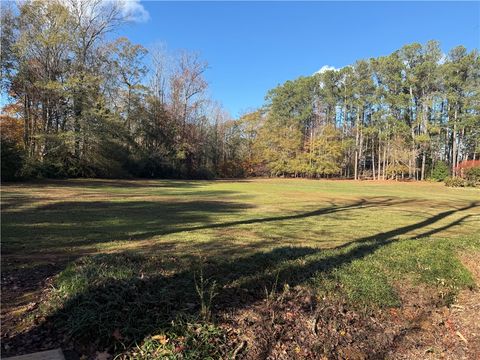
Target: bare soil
{"x": 447, "y": 332}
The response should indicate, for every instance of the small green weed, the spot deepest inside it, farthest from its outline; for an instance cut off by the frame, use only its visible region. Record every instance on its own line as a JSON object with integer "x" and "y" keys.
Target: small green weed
{"x": 206, "y": 290}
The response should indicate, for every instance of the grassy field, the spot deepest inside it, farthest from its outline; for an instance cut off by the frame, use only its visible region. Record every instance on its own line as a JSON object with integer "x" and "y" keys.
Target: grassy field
{"x": 136, "y": 258}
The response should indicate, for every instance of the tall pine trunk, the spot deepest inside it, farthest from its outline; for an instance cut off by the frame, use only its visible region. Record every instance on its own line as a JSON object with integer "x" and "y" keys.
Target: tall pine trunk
{"x": 454, "y": 144}
{"x": 373, "y": 158}
{"x": 356, "y": 147}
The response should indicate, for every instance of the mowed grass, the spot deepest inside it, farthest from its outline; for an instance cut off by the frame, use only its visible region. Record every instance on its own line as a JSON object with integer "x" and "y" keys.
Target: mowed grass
{"x": 225, "y": 218}
{"x": 132, "y": 253}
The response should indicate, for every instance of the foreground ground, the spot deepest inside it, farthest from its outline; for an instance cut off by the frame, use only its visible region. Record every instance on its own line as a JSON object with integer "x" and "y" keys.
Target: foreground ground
{"x": 252, "y": 269}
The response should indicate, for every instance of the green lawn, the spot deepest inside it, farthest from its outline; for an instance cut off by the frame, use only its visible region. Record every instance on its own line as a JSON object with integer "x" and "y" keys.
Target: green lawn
{"x": 131, "y": 254}
{"x": 227, "y": 218}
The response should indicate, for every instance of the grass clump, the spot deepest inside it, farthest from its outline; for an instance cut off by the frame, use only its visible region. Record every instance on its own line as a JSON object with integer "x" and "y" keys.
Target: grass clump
{"x": 95, "y": 270}
{"x": 114, "y": 301}
{"x": 364, "y": 283}
{"x": 188, "y": 338}
{"x": 99, "y": 297}
{"x": 373, "y": 279}
{"x": 429, "y": 261}
{"x": 206, "y": 291}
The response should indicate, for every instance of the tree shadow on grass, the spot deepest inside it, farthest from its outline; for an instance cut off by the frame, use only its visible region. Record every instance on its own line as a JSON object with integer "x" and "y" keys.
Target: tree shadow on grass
{"x": 115, "y": 183}
{"x": 137, "y": 299}
{"x": 393, "y": 234}
{"x": 74, "y": 224}
{"x": 51, "y": 236}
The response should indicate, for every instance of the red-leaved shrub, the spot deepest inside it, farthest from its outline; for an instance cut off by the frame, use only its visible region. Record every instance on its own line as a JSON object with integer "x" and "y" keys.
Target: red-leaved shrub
{"x": 461, "y": 168}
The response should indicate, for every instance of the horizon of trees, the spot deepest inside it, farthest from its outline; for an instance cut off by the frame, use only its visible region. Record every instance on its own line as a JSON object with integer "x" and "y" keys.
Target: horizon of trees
{"x": 391, "y": 117}
{"x": 86, "y": 106}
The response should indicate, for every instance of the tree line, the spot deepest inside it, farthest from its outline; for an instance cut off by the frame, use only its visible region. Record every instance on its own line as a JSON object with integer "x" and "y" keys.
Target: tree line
{"x": 406, "y": 115}
{"x": 84, "y": 103}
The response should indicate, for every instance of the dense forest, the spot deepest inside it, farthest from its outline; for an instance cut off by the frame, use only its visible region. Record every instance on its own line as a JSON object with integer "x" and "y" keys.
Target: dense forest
{"x": 395, "y": 116}
{"x": 85, "y": 104}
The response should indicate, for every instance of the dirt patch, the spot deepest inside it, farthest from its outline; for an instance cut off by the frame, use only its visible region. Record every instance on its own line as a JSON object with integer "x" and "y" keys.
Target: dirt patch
{"x": 443, "y": 332}
{"x": 21, "y": 294}
{"x": 297, "y": 326}
{"x": 23, "y": 290}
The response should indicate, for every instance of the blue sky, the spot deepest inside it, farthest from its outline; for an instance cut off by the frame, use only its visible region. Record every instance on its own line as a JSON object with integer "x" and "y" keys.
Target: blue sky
{"x": 253, "y": 46}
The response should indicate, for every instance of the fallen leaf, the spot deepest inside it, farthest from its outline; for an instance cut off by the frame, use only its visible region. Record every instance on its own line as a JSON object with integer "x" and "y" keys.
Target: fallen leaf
{"x": 462, "y": 337}
{"x": 179, "y": 349}
{"x": 162, "y": 339}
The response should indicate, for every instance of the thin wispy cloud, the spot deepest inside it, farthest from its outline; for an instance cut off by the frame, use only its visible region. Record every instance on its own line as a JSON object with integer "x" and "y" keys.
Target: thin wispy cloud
{"x": 130, "y": 10}
{"x": 133, "y": 10}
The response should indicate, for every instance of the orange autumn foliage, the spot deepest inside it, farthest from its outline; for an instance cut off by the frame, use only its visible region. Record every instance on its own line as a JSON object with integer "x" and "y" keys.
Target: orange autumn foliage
{"x": 11, "y": 128}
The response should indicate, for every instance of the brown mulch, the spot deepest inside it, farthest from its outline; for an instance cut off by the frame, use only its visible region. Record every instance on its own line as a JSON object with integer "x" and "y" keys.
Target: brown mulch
{"x": 296, "y": 326}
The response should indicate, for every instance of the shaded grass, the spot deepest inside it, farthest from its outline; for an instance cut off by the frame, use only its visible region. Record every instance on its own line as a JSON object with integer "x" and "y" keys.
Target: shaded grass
{"x": 187, "y": 338}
